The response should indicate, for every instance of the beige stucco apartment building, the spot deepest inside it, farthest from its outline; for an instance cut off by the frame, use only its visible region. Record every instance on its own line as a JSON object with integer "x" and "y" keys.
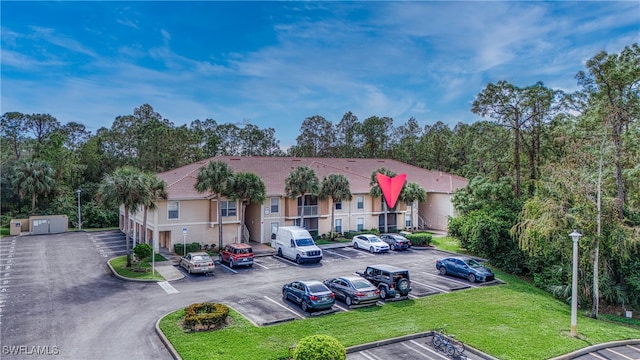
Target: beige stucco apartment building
{"x": 190, "y": 216}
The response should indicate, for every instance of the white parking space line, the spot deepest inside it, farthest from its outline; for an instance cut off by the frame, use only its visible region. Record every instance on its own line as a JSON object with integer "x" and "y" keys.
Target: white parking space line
{"x": 284, "y": 307}
{"x": 286, "y": 260}
{"x": 364, "y": 252}
{"x": 598, "y": 356}
{"x": 619, "y": 354}
{"x": 431, "y": 286}
{"x": 335, "y": 253}
{"x": 341, "y": 308}
{"x": 449, "y": 278}
{"x": 167, "y": 287}
{"x": 369, "y": 356}
{"x": 262, "y": 266}
{"x": 228, "y": 268}
{"x": 416, "y": 350}
{"x": 438, "y": 354}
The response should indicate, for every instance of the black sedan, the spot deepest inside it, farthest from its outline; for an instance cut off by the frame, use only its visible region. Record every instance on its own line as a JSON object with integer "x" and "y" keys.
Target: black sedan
{"x": 353, "y": 290}
{"x": 465, "y": 267}
{"x": 396, "y": 241}
{"x": 310, "y": 294}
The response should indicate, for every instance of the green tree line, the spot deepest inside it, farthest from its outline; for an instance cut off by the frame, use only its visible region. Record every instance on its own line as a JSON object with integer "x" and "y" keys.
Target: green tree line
{"x": 541, "y": 162}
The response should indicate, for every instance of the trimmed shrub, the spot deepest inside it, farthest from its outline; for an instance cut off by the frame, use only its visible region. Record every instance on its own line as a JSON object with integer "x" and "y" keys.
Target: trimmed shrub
{"x": 142, "y": 251}
{"x": 193, "y": 247}
{"x": 205, "y": 316}
{"x": 419, "y": 239}
{"x": 319, "y": 347}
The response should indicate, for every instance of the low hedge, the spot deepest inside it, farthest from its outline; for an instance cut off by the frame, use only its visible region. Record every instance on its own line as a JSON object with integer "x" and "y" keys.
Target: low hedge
{"x": 205, "y": 316}
{"x": 419, "y": 239}
{"x": 193, "y": 247}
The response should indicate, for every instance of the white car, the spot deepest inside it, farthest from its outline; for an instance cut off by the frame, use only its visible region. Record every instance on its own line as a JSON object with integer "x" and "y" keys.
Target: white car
{"x": 370, "y": 242}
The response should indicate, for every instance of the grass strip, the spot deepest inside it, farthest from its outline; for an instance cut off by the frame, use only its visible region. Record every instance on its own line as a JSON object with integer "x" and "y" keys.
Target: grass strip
{"x": 512, "y": 321}
{"x": 119, "y": 264}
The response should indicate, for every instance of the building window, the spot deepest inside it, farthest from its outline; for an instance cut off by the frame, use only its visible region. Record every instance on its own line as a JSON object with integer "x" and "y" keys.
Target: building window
{"x": 275, "y": 205}
{"x": 228, "y": 208}
{"x": 338, "y": 205}
{"x": 338, "y": 226}
{"x": 173, "y": 210}
{"x": 360, "y": 200}
{"x": 407, "y": 221}
{"x": 360, "y": 224}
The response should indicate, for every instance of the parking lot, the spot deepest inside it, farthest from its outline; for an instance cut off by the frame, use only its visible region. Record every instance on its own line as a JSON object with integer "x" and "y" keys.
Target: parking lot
{"x": 267, "y": 307}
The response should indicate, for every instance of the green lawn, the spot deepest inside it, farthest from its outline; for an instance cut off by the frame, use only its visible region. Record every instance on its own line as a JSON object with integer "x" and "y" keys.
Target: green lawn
{"x": 119, "y": 264}
{"x": 447, "y": 243}
{"x": 512, "y": 321}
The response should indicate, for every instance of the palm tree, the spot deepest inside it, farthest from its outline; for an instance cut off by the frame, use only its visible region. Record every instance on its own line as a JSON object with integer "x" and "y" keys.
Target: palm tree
{"x": 248, "y": 188}
{"x": 35, "y": 178}
{"x": 157, "y": 191}
{"x": 299, "y": 182}
{"x": 214, "y": 178}
{"x": 376, "y": 191}
{"x": 336, "y": 186}
{"x": 126, "y": 186}
{"x": 412, "y": 192}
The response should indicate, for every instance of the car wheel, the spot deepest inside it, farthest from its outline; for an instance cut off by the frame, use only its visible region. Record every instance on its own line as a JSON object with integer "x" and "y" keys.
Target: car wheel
{"x": 220, "y": 259}
{"x": 280, "y": 252}
{"x": 298, "y": 259}
{"x": 383, "y": 292}
{"x": 231, "y": 264}
{"x": 392, "y": 246}
{"x": 472, "y": 278}
{"x": 304, "y": 306}
{"x": 403, "y": 286}
{"x": 284, "y": 295}
{"x": 189, "y": 269}
{"x": 443, "y": 270}
{"x": 355, "y": 245}
{"x": 347, "y": 300}
{"x": 371, "y": 249}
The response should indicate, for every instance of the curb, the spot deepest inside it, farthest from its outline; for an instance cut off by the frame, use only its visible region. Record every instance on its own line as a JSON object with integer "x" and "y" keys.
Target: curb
{"x": 166, "y": 341}
{"x": 592, "y": 348}
{"x": 115, "y": 273}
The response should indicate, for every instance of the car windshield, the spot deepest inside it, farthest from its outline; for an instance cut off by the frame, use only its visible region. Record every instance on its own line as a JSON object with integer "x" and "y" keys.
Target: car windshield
{"x": 375, "y": 239}
{"x": 317, "y": 288}
{"x": 304, "y": 242}
{"x": 201, "y": 258}
{"x": 472, "y": 263}
{"x": 360, "y": 284}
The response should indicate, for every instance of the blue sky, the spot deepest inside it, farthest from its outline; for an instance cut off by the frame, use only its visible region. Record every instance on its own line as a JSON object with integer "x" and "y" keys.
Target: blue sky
{"x": 275, "y": 63}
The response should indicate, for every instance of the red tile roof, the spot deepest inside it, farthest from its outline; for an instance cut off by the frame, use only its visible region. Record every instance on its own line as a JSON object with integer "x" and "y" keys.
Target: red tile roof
{"x": 274, "y": 170}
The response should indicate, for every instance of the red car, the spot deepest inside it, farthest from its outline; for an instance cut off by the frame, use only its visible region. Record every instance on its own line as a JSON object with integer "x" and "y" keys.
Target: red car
{"x": 237, "y": 254}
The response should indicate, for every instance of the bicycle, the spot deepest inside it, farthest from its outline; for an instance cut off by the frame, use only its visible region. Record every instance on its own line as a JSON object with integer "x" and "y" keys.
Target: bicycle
{"x": 447, "y": 344}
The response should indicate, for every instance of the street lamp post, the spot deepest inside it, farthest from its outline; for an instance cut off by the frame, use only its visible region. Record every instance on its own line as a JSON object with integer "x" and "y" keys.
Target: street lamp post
{"x": 79, "y": 213}
{"x": 575, "y": 236}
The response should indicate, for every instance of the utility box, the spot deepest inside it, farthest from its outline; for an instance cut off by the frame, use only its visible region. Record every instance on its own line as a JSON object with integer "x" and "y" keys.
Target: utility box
{"x": 50, "y": 224}
{"x": 15, "y": 226}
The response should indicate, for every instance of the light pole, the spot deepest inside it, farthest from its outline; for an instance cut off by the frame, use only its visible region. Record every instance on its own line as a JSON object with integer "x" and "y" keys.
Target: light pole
{"x": 79, "y": 213}
{"x": 575, "y": 236}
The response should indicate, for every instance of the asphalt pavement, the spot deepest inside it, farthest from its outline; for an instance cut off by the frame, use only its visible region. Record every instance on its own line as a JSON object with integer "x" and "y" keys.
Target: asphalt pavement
{"x": 57, "y": 297}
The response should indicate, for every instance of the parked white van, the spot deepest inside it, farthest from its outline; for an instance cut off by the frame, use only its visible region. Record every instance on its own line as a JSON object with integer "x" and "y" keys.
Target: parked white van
{"x": 295, "y": 243}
